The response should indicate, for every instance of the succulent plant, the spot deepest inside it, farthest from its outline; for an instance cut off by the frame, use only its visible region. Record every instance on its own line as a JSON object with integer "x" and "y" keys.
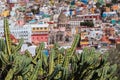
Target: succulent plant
{"x": 61, "y": 64}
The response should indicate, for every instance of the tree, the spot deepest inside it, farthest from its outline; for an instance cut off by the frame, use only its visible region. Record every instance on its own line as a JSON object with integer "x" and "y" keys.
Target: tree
{"x": 108, "y": 4}
{"x": 114, "y": 1}
{"x": 98, "y": 5}
{"x": 87, "y": 23}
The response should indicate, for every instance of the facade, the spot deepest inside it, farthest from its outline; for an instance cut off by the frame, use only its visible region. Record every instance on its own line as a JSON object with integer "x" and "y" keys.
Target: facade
{"x": 19, "y": 32}
{"x": 40, "y": 21}
{"x": 39, "y": 32}
{"x": 62, "y": 32}
{"x": 94, "y": 17}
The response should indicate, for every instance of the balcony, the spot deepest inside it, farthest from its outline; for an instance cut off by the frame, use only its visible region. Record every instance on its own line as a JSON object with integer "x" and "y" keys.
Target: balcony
{"x": 37, "y": 32}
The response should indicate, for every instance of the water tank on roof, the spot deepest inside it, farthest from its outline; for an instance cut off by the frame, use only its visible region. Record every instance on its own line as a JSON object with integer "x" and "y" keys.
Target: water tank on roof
{"x": 84, "y": 1}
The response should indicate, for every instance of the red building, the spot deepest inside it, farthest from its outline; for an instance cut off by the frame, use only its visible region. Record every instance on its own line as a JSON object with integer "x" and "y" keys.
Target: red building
{"x": 40, "y": 37}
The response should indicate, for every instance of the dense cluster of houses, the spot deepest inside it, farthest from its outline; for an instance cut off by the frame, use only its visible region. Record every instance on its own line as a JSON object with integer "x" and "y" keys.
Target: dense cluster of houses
{"x": 57, "y": 21}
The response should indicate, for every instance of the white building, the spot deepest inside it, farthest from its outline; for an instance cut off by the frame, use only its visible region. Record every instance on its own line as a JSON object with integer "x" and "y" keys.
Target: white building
{"x": 22, "y": 32}
{"x": 19, "y": 32}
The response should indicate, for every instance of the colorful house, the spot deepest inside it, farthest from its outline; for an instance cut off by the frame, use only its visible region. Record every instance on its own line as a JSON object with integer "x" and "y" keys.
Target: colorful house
{"x": 39, "y": 33}
{"x": 84, "y": 42}
{"x": 109, "y": 31}
{"x": 84, "y": 39}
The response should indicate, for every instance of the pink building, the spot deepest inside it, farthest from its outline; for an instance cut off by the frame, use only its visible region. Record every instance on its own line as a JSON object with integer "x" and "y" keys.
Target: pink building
{"x": 40, "y": 38}
{"x": 39, "y": 33}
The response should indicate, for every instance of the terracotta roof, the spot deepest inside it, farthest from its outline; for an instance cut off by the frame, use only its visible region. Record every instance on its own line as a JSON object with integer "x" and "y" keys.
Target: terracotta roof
{"x": 115, "y": 7}
{"x": 105, "y": 39}
{"x": 12, "y": 37}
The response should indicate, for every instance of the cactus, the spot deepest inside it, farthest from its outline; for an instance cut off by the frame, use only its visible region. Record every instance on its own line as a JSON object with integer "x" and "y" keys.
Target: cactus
{"x": 59, "y": 65}
{"x": 7, "y": 35}
{"x": 39, "y": 53}
{"x": 51, "y": 62}
{"x": 36, "y": 71}
{"x": 10, "y": 75}
{"x": 18, "y": 47}
{"x": 3, "y": 46}
{"x": 86, "y": 66}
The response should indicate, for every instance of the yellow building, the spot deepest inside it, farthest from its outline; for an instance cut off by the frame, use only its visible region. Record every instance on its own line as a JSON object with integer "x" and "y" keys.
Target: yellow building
{"x": 84, "y": 42}
{"x": 39, "y": 29}
{"x": 83, "y": 35}
{"x": 5, "y": 13}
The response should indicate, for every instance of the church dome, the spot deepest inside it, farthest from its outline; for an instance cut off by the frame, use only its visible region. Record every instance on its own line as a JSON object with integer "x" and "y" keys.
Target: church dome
{"x": 62, "y": 18}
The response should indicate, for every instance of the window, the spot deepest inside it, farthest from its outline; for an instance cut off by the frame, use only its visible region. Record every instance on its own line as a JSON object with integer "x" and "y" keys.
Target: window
{"x": 37, "y": 38}
{"x": 41, "y": 37}
{"x": 33, "y": 38}
{"x": 46, "y": 37}
{"x": 33, "y": 28}
{"x": 37, "y": 28}
{"x": 41, "y": 28}
{"x": 45, "y": 28}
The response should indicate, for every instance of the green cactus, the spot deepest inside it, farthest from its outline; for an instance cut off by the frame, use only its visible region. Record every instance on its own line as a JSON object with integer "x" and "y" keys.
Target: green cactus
{"x": 39, "y": 54}
{"x": 34, "y": 75}
{"x": 10, "y": 75}
{"x": 59, "y": 65}
{"x": 7, "y": 35}
{"x": 51, "y": 62}
{"x": 3, "y": 46}
{"x": 18, "y": 47}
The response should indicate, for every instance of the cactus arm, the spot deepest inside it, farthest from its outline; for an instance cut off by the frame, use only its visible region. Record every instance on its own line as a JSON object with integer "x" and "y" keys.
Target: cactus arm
{"x": 4, "y": 58}
{"x": 41, "y": 70}
{"x": 3, "y": 46}
{"x": 26, "y": 70}
{"x": 55, "y": 72}
{"x": 7, "y": 35}
{"x": 18, "y": 47}
{"x": 39, "y": 51}
{"x": 51, "y": 62}
{"x": 19, "y": 78}
{"x": 36, "y": 71}
{"x": 9, "y": 75}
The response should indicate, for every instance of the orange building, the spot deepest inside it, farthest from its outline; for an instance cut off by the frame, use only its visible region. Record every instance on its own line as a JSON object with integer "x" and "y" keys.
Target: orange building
{"x": 115, "y": 7}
